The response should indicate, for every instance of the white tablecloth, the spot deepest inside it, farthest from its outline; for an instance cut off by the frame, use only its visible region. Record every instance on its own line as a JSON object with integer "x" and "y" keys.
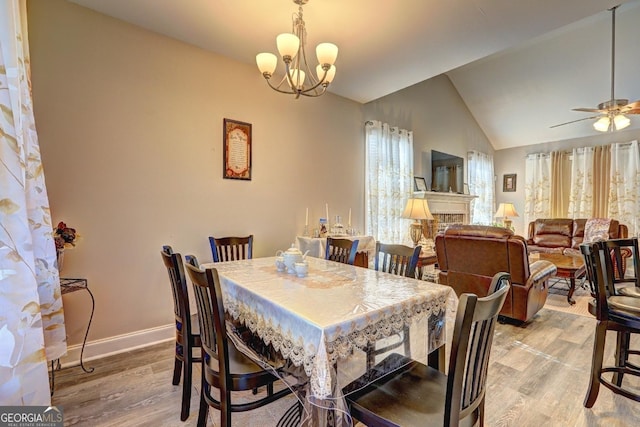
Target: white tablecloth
{"x": 317, "y": 246}
{"x": 316, "y": 320}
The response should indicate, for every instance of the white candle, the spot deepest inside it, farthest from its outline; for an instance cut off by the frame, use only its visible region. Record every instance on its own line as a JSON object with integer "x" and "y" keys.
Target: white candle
{"x": 349, "y": 223}
{"x": 326, "y": 206}
{"x": 306, "y": 218}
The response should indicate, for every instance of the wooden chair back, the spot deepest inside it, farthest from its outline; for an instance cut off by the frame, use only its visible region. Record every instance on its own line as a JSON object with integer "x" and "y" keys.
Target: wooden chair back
{"x": 213, "y": 331}
{"x": 341, "y": 250}
{"x": 173, "y": 263}
{"x": 231, "y": 248}
{"x": 397, "y": 259}
{"x": 616, "y": 248}
{"x": 408, "y": 393}
{"x": 187, "y": 330}
{"x": 470, "y": 349}
{"x": 601, "y": 286}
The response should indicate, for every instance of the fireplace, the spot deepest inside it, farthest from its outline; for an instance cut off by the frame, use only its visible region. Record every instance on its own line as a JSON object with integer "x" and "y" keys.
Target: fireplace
{"x": 447, "y": 209}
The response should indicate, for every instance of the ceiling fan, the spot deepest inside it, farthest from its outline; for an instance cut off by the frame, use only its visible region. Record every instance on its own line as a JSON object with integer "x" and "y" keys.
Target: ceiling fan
{"x": 612, "y": 114}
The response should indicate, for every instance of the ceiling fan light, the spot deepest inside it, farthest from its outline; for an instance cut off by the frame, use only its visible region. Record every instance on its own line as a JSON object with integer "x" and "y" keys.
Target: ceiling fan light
{"x": 602, "y": 124}
{"x": 621, "y": 121}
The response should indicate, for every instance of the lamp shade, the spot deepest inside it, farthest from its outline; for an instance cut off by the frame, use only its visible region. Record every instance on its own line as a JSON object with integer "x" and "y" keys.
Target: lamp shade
{"x": 267, "y": 62}
{"x": 288, "y": 44}
{"x": 331, "y": 72}
{"x": 417, "y": 209}
{"x": 506, "y": 210}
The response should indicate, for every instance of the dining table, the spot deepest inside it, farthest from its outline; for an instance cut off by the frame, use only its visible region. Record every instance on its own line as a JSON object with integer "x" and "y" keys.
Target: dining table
{"x": 321, "y": 323}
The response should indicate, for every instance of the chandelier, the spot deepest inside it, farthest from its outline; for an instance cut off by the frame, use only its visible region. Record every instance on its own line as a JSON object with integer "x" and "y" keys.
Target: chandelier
{"x": 291, "y": 48}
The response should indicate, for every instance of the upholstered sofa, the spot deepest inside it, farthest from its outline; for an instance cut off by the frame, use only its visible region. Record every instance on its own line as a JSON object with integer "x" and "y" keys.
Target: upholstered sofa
{"x": 560, "y": 234}
{"x": 565, "y": 235}
{"x": 469, "y": 256}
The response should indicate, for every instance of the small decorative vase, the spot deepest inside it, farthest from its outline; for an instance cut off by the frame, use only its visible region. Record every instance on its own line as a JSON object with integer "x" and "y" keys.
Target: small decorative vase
{"x": 60, "y": 256}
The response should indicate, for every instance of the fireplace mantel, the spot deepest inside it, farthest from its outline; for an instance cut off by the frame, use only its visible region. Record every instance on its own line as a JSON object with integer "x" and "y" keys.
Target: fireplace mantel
{"x": 449, "y": 208}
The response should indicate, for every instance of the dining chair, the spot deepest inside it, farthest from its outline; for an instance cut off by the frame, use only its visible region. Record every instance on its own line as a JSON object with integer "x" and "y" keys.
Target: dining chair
{"x": 400, "y": 260}
{"x": 613, "y": 312}
{"x": 418, "y": 395}
{"x": 231, "y": 248}
{"x": 224, "y": 367}
{"x": 341, "y": 250}
{"x": 619, "y": 250}
{"x": 187, "y": 328}
{"x": 397, "y": 259}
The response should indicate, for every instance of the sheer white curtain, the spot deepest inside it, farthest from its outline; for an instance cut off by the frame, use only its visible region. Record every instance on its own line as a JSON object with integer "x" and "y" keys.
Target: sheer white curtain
{"x": 481, "y": 184}
{"x": 537, "y": 187}
{"x": 624, "y": 201}
{"x": 581, "y": 194}
{"x": 31, "y": 319}
{"x": 389, "y": 181}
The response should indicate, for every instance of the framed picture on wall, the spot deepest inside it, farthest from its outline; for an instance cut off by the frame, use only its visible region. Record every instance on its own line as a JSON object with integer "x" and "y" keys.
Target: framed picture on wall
{"x": 236, "y": 141}
{"x": 420, "y": 183}
{"x": 509, "y": 182}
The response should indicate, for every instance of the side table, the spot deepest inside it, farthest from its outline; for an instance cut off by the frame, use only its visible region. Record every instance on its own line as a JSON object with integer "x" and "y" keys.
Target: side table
{"x": 68, "y": 285}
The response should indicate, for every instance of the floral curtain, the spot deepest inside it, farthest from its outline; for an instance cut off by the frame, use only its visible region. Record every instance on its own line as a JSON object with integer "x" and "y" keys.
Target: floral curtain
{"x": 537, "y": 187}
{"x": 31, "y": 319}
{"x": 481, "y": 184}
{"x": 389, "y": 181}
{"x": 581, "y": 195}
{"x": 624, "y": 186}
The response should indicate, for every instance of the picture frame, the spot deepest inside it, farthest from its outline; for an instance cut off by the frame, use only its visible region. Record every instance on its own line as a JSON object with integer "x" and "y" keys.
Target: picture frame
{"x": 509, "y": 182}
{"x": 420, "y": 183}
{"x": 237, "y": 150}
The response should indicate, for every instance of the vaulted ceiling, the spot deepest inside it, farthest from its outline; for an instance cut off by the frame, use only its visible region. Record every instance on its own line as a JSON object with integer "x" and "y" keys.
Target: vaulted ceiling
{"x": 520, "y": 66}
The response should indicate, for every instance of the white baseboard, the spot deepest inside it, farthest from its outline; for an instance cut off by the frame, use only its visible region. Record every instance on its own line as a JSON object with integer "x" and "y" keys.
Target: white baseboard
{"x": 108, "y": 346}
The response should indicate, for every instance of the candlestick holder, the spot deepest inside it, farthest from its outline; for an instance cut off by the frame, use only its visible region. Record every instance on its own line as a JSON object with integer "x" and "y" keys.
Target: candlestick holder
{"x": 305, "y": 233}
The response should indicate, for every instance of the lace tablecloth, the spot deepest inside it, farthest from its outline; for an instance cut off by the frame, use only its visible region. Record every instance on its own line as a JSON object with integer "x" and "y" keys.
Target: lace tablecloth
{"x": 319, "y": 319}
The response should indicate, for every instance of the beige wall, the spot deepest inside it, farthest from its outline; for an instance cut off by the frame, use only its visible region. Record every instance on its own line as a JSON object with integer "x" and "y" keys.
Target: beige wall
{"x": 130, "y": 128}
{"x": 438, "y": 117}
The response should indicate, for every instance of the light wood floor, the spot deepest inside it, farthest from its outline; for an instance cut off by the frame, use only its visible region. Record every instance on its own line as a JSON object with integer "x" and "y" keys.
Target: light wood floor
{"x": 538, "y": 377}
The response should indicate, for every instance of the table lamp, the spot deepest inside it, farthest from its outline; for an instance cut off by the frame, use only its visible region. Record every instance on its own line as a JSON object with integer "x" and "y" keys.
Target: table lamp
{"x": 506, "y": 210}
{"x": 416, "y": 209}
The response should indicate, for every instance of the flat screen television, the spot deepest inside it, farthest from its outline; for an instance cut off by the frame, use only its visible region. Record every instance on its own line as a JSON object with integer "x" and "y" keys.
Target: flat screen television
{"x": 447, "y": 173}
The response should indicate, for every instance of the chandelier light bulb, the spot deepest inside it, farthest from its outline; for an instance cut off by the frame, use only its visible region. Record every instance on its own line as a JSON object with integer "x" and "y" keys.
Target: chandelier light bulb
{"x": 326, "y": 53}
{"x": 294, "y": 78}
{"x": 331, "y": 72}
{"x": 602, "y": 125}
{"x": 267, "y": 63}
{"x": 288, "y": 45}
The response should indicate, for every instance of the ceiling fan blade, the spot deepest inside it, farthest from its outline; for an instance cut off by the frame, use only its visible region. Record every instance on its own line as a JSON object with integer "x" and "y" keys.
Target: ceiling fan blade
{"x": 632, "y": 108}
{"x": 589, "y": 110}
{"x": 573, "y": 121}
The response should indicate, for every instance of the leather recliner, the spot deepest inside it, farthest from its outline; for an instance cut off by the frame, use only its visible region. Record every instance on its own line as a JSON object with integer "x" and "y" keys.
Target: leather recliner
{"x": 470, "y": 255}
